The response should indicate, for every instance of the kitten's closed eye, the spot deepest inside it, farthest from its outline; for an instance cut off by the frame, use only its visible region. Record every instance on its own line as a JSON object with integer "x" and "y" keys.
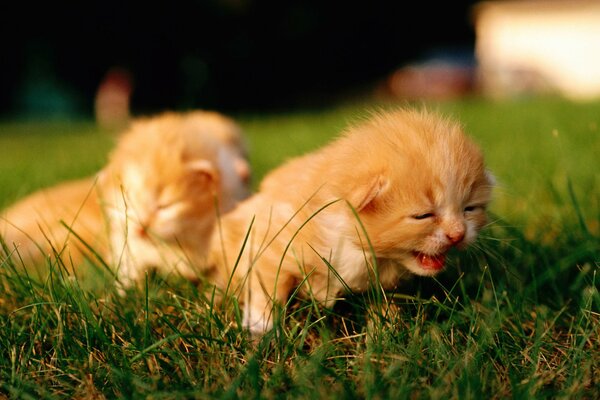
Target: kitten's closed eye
{"x": 162, "y": 206}
{"x": 469, "y": 209}
{"x": 427, "y": 215}
{"x": 424, "y": 216}
{"x": 171, "y": 209}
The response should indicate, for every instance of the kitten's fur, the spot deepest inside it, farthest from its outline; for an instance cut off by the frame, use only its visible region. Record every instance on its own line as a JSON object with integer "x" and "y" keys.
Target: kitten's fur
{"x": 160, "y": 189}
{"x": 152, "y": 205}
{"x": 417, "y": 183}
{"x": 33, "y": 225}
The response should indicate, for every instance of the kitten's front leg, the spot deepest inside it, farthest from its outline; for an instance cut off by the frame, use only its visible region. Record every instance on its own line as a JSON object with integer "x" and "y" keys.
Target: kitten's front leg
{"x": 257, "y": 317}
{"x": 127, "y": 272}
{"x": 263, "y": 292}
{"x": 123, "y": 261}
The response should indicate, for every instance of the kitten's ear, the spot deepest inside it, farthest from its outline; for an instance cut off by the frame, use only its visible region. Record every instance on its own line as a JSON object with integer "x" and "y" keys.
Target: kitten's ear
{"x": 365, "y": 194}
{"x": 202, "y": 168}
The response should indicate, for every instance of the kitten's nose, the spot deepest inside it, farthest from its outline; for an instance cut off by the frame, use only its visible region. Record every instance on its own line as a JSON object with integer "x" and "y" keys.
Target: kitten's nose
{"x": 455, "y": 237}
{"x": 142, "y": 231}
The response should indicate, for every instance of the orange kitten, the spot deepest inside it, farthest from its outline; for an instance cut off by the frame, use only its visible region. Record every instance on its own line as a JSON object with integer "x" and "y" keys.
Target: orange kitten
{"x": 417, "y": 183}
{"x": 160, "y": 188}
{"x": 152, "y": 205}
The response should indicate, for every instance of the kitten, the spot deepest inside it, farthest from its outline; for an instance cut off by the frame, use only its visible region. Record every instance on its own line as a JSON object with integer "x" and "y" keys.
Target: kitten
{"x": 417, "y": 184}
{"x": 152, "y": 205}
{"x": 160, "y": 189}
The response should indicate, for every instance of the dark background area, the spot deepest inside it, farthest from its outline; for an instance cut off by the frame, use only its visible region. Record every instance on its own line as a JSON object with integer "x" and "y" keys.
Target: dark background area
{"x": 226, "y": 54}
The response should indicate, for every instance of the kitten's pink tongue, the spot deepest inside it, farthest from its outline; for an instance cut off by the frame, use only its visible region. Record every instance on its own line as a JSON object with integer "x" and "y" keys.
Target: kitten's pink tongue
{"x": 432, "y": 262}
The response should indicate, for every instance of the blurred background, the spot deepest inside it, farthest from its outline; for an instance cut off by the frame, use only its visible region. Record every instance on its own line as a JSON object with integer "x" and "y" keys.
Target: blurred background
{"x": 70, "y": 58}
{"x": 231, "y": 55}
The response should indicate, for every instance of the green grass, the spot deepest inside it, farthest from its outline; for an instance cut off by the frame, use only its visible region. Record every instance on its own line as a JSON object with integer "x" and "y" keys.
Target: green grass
{"x": 517, "y": 316}
{"x": 38, "y": 154}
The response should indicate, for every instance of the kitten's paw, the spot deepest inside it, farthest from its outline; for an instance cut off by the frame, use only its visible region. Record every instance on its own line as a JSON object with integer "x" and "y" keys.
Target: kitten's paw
{"x": 125, "y": 282}
{"x": 256, "y": 321}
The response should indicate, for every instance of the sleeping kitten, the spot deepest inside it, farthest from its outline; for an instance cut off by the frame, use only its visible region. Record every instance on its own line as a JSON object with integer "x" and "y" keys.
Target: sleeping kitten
{"x": 160, "y": 189}
{"x": 417, "y": 184}
{"x": 152, "y": 205}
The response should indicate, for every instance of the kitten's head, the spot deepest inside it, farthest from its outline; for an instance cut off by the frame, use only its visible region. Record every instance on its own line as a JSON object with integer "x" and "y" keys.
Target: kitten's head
{"x": 233, "y": 156}
{"x": 172, "y": 169}
{"x": 420, "y": 187}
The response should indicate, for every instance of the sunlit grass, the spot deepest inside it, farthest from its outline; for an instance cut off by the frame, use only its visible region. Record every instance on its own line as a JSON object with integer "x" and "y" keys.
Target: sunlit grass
{"x": 37, "y": 154}
{"x": 518, "y": 315}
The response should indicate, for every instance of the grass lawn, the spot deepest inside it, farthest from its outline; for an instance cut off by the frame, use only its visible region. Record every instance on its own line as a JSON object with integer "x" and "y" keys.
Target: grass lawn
{"x": 518, "y": 315}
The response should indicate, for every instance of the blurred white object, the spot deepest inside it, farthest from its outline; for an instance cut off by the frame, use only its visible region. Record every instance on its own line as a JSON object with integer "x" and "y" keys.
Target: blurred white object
{"x": 541, "y": 45}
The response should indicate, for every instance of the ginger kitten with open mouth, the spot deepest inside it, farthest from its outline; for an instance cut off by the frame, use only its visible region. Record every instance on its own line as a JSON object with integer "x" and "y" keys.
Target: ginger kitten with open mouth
{"x": 387, "y": 199}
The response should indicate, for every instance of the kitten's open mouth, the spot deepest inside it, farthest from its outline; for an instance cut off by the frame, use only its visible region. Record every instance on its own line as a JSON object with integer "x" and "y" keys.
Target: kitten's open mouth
{"x": 428, "y": 261}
